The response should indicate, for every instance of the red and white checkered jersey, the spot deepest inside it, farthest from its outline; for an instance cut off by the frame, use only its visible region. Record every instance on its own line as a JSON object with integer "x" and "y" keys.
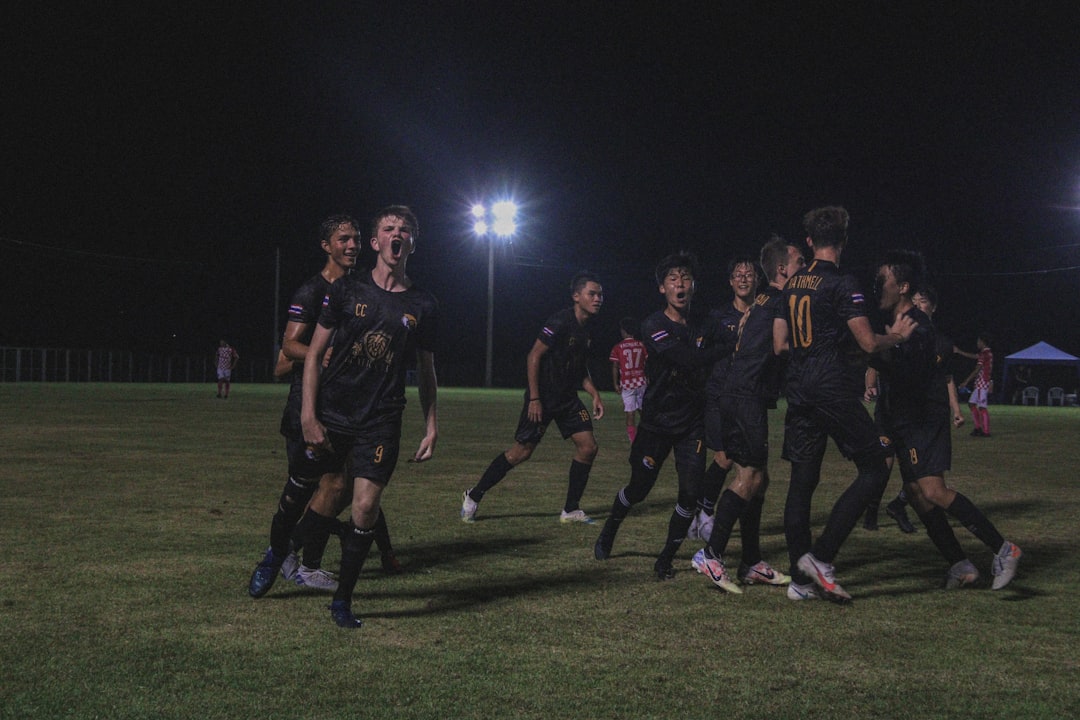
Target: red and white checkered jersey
{"x": 225, "y": 356}
{"x": 985, "y": 361}
{"x": 630, "y": 354}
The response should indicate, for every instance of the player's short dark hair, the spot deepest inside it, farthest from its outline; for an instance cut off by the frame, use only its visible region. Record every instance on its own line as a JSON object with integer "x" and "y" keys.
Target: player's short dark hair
{"x": 907, "y": 266}
{"x": 987, "y": 338}
{"x": 329, "y": 226}
{"x": 681, "y": 259}
{"x": 401, "y": 211}
{"x": 774, "y": 254}
{"x": 741, "y": 260}
{"x": 929, "y": 292}
{"x": 582, "y": 279}
{"x": 827, "y": 226}
{"x": 630, "y": 326}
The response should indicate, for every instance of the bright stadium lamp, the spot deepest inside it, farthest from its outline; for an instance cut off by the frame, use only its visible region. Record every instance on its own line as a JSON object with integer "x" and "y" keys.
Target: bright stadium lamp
{"x": 500, "y": 222}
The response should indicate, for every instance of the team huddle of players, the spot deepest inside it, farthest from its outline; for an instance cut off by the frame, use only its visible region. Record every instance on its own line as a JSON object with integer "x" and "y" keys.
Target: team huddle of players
{"x": 708, "y": 382}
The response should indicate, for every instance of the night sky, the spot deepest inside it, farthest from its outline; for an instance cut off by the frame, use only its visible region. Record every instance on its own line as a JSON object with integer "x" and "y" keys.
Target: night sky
{"x": 154, "y": 160}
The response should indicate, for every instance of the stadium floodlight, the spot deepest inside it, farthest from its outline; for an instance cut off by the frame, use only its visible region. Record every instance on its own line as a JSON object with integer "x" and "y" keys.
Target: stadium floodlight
{"x": 500, "y": 222}
{"x": 505, "y": 213}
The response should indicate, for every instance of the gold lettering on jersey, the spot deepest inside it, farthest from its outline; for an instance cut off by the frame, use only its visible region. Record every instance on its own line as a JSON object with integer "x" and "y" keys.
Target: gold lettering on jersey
{"x": 361, "y": 309}
{"x": 804, "y": 282}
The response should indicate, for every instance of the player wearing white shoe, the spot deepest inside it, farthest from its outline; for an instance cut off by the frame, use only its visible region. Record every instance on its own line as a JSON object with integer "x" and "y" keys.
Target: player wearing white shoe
{"x": 749, "y": 383}
{"x": 824, "y": 325}
{"x": 352, "y": 411}
{"x": 914, "y": 409}
{"x": 556, "y": 368}
{"x": 672, "y": 417}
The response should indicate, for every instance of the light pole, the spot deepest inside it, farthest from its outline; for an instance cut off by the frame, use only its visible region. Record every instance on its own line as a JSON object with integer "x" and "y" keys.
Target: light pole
{"x": 503, "y": 224}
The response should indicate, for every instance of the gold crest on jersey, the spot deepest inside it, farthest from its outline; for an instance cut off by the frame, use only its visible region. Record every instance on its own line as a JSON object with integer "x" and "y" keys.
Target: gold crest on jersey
{"x": 373, "y": 347}
{"x": 409, "y": 321}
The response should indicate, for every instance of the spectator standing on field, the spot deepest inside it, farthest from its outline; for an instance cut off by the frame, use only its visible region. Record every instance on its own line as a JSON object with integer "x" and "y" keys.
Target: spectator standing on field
{"x": 628, "y": 372}
{"x": 226, "y": 359}
{"x": 984, "y": 385}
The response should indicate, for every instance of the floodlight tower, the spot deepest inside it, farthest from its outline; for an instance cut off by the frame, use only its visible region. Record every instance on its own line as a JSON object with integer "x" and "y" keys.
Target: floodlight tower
{"x": 500, "y": 222}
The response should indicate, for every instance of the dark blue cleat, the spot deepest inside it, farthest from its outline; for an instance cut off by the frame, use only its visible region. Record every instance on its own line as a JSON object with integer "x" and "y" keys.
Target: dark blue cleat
{"x": 602, "y": 548}
{"x": 265, "y": 574}
{"x": 342, "y": 615}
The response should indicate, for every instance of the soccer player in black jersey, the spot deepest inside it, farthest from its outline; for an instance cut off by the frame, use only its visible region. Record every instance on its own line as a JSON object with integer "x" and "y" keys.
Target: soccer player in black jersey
{"x": 557, "y": 366}
{"x": 913, "y": 407}
{"x": 327, "y": 496}
{"x": 339, "y": 239}
{"x": 672, "y": 416}
{"x": 721, "y": 328}
{"x": 926, "y": 300}
{"x": 748, "y": 384}
{"x": 352, "y": 412}
{"x": 825, "y": 326}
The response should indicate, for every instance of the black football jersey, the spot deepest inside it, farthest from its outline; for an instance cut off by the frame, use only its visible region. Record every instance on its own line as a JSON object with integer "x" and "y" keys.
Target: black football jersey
{"x": 377, "y": 334}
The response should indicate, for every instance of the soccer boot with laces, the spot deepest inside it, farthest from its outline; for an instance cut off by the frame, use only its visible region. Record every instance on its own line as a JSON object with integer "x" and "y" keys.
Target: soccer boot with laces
{"x": 713, "y": 568}
{"x": 575, "y": 516}
{"x": 342, "y": 615}
{"x": 824, "y": 576}
{"x": 317, "y": 579}
{"x": 961, "y": 574}
{"x": 290, "y": 565}
{"x": 266, "y": 572}
{"x": 762, "y": 573}
{"x": 468, "y": 508}
{"x": 1004, "y": 565}
{"x": 795, "y": 591}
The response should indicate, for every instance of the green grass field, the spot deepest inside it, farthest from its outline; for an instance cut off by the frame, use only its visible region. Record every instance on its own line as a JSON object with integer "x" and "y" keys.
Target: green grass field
{"x": 131, "y": 517}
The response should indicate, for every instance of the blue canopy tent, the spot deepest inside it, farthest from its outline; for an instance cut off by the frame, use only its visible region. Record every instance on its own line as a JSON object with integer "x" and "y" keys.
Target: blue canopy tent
{"x": 1040, "y": 353}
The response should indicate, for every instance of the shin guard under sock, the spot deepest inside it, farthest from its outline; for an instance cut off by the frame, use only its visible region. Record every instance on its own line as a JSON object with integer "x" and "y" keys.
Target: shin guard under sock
{"x": 972, "y": 518}
{"x": 495, "y": 472}
{"x": 579, "y": 478}
{"x": 942, "y": 535}
{"x": 728, "y": 510}
{"x": 353, "y": 553}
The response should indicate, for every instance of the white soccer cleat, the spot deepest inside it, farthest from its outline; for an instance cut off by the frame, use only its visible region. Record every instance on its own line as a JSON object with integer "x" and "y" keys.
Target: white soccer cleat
{"x": 468, "y": 508}
{"x": 576, "y": 516}
{"x": 704, "y": 525}
{"x": 1004, "y": 566}
{"x": 961, "y": 574}
{"x": 317, "y": 579}
{"x": 795, "y": 591}
{"x": 290, "y": 565}
{"x": 824, "y": 576}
